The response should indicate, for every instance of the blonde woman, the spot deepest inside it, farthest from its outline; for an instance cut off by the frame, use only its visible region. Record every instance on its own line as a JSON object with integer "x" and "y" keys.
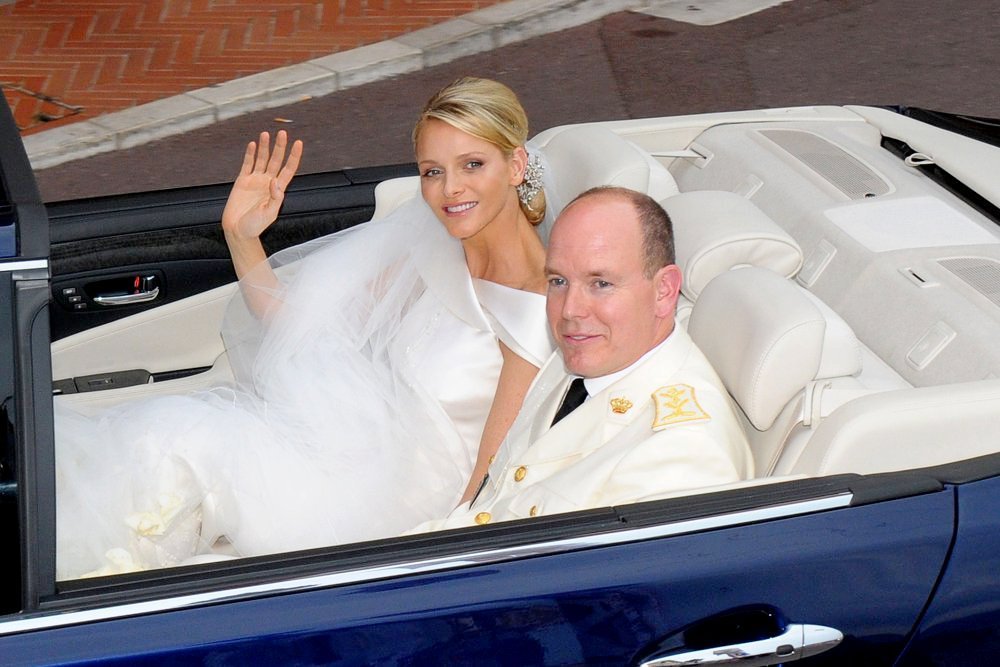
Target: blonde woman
{"x": 378, "y": 369}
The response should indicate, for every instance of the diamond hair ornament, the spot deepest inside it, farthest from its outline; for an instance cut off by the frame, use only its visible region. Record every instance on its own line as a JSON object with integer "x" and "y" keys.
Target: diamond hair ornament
{"x": 532, "y": 183}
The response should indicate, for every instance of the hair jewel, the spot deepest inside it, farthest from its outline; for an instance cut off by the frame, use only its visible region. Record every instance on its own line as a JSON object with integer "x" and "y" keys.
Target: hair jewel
{"x": 532, "y": 183}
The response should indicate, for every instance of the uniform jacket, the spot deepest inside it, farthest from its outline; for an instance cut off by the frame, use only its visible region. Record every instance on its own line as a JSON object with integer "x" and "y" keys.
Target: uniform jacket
{"x": 667, "y": 426}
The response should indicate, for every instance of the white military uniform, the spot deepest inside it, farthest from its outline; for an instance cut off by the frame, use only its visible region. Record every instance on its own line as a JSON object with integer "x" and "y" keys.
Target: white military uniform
{"x": 666, "y": 426}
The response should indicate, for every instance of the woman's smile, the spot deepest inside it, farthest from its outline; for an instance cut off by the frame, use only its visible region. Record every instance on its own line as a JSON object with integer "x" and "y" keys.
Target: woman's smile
{"x": 458, "y": 209}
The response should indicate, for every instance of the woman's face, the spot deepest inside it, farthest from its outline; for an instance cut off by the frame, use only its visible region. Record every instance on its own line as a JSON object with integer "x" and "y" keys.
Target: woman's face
{"x": 467, "y": 181}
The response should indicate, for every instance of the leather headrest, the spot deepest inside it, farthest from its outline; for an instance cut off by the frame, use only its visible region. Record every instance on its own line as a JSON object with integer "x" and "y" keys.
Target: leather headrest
{"x": 715, "y": 231}
{"x": 764, "y": 337}
{"x": 586, "y": 156}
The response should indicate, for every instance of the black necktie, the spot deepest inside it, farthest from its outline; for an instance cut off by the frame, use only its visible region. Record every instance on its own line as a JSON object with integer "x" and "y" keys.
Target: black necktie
{"x": 575, "y": 396}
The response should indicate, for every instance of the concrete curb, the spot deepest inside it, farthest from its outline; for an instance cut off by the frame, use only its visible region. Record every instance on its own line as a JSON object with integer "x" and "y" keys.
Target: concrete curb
{"x": 476, "y": 32}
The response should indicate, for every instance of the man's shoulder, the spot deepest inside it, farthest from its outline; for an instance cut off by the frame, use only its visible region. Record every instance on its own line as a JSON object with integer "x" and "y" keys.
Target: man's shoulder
{"x": 677, "y": 403}
{"x": 687, "y": 399}
{"x": 676, "y": 372}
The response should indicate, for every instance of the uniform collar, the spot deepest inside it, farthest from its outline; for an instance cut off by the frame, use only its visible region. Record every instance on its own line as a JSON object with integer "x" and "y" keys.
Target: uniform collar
{"x": 598, "y": 384}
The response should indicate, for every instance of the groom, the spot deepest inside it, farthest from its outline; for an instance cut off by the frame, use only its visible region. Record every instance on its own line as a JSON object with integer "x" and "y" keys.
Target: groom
{"x": 627, "y": 408}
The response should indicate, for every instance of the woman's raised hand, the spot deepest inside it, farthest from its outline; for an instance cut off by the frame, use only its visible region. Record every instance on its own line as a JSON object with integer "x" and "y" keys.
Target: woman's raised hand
{"x": 257, "y": 194}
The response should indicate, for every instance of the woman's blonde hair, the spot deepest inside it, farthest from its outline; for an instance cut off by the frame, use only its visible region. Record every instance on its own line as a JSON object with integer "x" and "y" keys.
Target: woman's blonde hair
{"x": 490, "y": 111}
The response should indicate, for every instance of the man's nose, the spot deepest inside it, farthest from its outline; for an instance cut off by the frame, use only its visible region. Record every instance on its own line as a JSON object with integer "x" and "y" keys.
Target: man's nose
{"x": 574, "y": 305}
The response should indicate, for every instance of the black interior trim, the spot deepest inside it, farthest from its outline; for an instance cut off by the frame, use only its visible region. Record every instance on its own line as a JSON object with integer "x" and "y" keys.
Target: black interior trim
{"x": 980, "y": 128}
{"x": 79, "y": 219}
{"x": 902, "y": 150}
{"x": 176, "y": 234}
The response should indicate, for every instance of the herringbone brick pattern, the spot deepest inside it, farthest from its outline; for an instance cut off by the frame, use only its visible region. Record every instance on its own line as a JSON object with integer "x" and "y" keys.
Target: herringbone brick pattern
{"x": 66, "y": 60}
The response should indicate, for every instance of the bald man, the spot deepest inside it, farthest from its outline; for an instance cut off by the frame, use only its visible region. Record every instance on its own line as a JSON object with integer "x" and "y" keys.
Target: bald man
{"x": 628, "y": 408}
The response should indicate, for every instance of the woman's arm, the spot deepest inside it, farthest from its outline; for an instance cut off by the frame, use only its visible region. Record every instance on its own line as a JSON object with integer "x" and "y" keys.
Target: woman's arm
{"x": 253, "y": 206}
{"x": 516, "y": 375}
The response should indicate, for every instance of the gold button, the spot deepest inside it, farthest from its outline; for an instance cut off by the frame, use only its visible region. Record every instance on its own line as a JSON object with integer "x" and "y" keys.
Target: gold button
{"x": 520, "y": 473}
{"x": 492, "y": 459}
{"x": 533, "y": 511}
{"x": 483, "y": 518}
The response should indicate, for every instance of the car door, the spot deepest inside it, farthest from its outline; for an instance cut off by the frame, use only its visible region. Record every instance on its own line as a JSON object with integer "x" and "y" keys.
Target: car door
{"x": 962, "y": 624}
{"x": 117, "y": 255}
{"x": 731, "y": 574}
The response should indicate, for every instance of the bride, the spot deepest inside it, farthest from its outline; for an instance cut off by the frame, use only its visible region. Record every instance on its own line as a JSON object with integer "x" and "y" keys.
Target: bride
{"x": 377, "y": 370}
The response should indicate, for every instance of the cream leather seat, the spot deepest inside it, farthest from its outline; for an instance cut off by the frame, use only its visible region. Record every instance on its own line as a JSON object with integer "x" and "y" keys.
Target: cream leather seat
{"x": 393, "y": 193}
{"x": 771, "y": 343}
{"x": 585, "y": 156}
{"x": 903, "y": 429}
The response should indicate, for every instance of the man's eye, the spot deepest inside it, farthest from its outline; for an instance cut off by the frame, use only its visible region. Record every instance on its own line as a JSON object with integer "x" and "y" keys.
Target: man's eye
{"x": 557, "y": 282}
{"x": 602, "y": 284}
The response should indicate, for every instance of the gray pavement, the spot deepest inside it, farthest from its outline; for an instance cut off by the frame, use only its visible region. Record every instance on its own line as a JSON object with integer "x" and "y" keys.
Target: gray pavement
{"x": 622, "y": 64}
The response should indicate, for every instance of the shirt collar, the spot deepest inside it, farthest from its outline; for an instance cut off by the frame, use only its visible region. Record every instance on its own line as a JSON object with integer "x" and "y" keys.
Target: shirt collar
{"x": 596, "y": 385}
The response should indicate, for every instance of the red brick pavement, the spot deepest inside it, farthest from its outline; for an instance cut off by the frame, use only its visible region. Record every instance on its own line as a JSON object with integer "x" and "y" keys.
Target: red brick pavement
{"x": 68, "y": 60}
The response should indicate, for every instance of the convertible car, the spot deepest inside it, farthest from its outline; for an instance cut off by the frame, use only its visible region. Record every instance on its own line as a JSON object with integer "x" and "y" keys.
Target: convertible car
{"x": 841, "y": 271}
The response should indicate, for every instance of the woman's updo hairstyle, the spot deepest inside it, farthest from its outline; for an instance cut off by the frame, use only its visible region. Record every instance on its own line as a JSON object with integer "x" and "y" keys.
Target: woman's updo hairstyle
{"x": 490, "y": 111}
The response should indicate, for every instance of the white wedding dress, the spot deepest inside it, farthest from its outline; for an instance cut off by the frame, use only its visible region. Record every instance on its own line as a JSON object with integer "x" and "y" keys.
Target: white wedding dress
{"x": 356, "y": 413}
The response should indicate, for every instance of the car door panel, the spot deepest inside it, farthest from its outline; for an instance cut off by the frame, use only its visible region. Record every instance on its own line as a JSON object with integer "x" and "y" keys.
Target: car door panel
{"x": 963, "y": 622}
{"x": 616, "y": 604}
{"x": 103, "y": 246}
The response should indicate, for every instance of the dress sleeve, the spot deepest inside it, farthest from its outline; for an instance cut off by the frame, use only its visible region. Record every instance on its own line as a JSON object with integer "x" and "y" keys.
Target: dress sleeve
{"x": 518, "y": 319}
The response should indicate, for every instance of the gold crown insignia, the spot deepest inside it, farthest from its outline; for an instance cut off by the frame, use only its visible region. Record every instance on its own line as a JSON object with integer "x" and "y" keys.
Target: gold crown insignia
{"x": 620, "y": 406}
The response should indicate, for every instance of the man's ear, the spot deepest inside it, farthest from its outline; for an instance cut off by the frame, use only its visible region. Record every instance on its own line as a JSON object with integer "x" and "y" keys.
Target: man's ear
{"x": 668, "y": 288}
{"x": 518, "y": 163}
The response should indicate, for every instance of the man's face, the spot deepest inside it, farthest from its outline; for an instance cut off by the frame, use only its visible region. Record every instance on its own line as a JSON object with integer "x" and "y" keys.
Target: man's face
{"x": 604, "y": 312}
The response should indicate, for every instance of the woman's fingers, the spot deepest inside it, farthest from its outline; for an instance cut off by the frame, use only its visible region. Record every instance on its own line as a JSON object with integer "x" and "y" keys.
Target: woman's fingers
{"x": 272, "y": 162}
{"x": 284, "y": 176}
{"x": 259, "y": 160}
{"x": 263, "y": 151}
{"x": 248, "y": 158}
{"x": 278, "y": 154}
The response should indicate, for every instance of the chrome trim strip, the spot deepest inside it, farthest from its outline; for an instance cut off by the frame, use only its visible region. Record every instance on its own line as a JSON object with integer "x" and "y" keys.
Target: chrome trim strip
{"x": 61, "y": 618}
{"x": 24, "y": 265}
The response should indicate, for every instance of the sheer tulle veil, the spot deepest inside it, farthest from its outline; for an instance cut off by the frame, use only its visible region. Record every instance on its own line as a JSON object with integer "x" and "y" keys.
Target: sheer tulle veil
{"x": 347, "y": 294}
{"x": 327, "y": 434}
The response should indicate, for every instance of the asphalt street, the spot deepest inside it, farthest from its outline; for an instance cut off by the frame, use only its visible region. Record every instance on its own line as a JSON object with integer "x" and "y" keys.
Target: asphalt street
{"x": 925, "y": 53}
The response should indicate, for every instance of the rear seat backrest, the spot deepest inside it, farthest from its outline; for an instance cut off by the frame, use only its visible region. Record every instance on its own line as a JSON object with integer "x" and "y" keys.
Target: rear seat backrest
{"x": 904, "y": 429}
{"x": 585, "y": 156}
{"x": 768, "y": 340}
{"x": 393, "y": 193}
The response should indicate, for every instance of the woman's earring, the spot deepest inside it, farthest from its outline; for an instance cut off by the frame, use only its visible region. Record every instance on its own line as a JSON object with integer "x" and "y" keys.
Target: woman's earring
{"x": 532, "y": 183}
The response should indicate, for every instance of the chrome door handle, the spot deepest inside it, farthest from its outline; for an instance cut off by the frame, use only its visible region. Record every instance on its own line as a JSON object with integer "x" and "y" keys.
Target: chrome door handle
{"x": 127, "y": 299}
{"x": 796, "y": 642}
